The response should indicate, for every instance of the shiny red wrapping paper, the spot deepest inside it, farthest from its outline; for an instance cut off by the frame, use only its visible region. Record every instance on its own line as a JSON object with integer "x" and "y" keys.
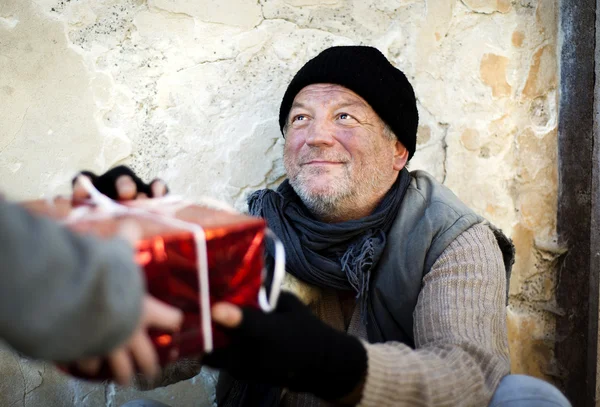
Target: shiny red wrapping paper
{"x": 168, "y": 254}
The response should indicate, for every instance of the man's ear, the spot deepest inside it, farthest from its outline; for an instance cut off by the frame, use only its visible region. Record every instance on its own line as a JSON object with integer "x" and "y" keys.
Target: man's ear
{"x": 400, "y": 156}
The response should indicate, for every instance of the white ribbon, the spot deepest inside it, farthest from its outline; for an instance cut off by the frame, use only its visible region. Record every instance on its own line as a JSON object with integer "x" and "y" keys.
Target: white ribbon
{"x": 269, "y": 304}
{"x": 163, "y": 210}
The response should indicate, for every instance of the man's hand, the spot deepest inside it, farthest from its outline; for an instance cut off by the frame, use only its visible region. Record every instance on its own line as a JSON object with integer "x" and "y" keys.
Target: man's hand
{"x": 291, "y": 348}
{"x": 120, "y": 183}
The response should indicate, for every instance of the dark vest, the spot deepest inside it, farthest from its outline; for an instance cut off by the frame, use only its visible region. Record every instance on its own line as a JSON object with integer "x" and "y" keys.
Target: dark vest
{"x": 430, "y": 218}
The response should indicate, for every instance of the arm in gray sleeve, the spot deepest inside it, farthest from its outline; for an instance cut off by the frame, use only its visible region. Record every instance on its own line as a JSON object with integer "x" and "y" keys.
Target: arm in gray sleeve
{"x": 64, "y": 296}
{"x": 460, "y": 333}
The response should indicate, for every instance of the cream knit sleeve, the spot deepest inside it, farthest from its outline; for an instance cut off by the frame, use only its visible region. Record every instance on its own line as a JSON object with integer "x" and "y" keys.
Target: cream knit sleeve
{"x": 460, "y": 333}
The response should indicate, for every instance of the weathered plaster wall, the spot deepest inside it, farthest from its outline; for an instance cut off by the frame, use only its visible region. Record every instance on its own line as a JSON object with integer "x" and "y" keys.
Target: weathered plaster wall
{"x": 190, "y": 91}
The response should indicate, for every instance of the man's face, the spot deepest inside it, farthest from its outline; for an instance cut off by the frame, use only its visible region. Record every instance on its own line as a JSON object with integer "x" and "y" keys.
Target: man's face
{"x": 337, "y": 154}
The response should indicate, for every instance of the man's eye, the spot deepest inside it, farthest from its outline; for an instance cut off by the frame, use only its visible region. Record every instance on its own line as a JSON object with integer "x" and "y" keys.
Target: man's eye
{"x": 345, "y": 116}
{"x": 298, "y": 118}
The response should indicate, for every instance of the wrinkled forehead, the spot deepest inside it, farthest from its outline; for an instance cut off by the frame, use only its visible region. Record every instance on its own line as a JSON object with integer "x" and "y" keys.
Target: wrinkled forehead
{"x": 327, "y": 95}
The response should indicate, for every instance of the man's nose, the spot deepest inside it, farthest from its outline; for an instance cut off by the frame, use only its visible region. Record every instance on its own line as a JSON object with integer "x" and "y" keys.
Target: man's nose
{"x": 321, "y": 134}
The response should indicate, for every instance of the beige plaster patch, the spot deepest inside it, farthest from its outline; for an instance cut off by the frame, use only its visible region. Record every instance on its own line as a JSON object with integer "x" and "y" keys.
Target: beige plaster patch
{"x": 530, "y": 351}
{"x": 538, "y": 178}
{"x": 517, "y": 38}
{"x": 547, "y": 19}
{"x": 488, "y": 6}
{"x": 542, "y": 75}
{"x": 523, "y": 239}
{"x": 493, "y": 73}
{"x": 471, "y": 139}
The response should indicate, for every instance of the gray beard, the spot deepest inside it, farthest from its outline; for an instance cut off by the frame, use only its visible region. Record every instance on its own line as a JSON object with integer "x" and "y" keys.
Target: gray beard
{"x": 326, "y": 206}
{"x": 322, "y": 206}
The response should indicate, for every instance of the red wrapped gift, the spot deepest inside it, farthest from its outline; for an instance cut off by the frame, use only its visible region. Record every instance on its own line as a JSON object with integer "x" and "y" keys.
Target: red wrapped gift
{"x": 192, "y": 257}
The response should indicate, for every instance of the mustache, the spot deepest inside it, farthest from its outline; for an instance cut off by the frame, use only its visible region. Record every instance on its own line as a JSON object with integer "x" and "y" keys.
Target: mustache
{"x": 314, "y": 155}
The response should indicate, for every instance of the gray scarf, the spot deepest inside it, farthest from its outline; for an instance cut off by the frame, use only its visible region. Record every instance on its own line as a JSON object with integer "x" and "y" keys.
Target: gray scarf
{"x": 333, "y": 255}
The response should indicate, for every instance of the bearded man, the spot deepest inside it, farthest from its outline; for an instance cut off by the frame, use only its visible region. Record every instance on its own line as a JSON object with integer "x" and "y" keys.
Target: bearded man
{"x": 408, "y": 286}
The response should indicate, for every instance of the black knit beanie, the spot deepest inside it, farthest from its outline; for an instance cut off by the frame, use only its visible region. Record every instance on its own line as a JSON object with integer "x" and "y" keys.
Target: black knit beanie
{"x": 368, "y": 73}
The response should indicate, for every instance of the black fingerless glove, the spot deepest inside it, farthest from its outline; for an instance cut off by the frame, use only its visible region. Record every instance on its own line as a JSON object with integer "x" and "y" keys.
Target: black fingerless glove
{"x": 291, "y": 348}
{"x": 106, "y": 183}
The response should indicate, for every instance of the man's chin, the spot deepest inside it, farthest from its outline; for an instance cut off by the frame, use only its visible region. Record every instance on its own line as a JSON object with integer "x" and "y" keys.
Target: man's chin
{"x": 318, "y": 196}
{"x": 319, "y": 190}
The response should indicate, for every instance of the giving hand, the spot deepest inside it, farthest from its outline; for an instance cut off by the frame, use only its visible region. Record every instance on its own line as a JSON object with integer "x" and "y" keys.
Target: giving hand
{"x": 137, "y": 350}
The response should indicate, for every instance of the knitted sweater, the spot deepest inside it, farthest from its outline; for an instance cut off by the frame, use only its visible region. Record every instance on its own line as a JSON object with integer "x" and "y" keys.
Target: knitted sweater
{"x": 460, "y": 333}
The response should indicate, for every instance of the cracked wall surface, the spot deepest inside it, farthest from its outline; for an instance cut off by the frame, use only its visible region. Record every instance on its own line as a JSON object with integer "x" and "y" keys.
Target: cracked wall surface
{"x": 189, "y": 91}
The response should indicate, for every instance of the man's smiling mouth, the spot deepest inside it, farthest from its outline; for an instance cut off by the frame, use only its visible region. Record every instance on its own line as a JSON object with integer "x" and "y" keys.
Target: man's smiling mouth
{"x": 323, "y": 162}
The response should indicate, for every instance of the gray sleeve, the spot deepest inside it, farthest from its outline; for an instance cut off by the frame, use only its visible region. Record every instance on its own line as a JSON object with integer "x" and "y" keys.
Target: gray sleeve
{"x": 64, "y": 296}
